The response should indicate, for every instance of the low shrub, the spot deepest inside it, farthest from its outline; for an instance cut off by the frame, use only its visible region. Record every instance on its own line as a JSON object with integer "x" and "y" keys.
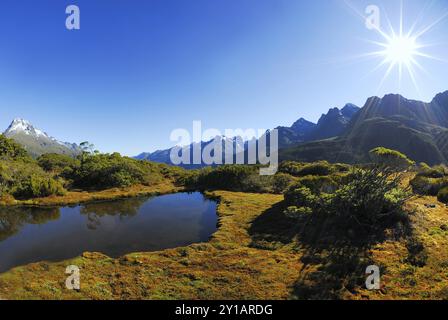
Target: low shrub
{"x": 428, "y": 186}
{"x": 227, "y": 177}
{"x": 321, "y": 168}
{"x": 390, "y": 158}
{"x": 300, "y": 196}
{"x": 442, "y": 196}
{"x": 57, "y": 163}
{"x": 281, "y": 182}
{"x": 103, "y": 171}
{"x": 11, "y": 150}
{"x": 37, "y": 186}
{"x": 318, "y": 184}
{"x": 372, "y": 199}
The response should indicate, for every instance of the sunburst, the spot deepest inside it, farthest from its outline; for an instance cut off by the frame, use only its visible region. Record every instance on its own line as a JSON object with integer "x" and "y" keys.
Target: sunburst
{"x": 402, "y": 51}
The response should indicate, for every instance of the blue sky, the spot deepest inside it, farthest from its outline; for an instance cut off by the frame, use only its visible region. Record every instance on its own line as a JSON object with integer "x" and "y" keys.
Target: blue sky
{"x": 139, "y": 69}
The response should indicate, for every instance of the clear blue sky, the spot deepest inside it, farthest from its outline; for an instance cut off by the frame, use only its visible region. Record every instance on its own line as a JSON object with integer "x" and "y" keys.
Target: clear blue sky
{"x": 139, "y": 69}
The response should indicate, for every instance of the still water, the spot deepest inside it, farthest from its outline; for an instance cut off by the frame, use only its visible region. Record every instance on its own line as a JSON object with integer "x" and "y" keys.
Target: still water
{"x": 113, "y": 228}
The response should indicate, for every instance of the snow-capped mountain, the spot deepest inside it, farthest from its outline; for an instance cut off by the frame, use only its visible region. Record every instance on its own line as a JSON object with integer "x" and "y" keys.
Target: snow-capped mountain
{"x": 163, "y": 156}
{"x": 24, "y": 126}
{"x": 36, "y": 141}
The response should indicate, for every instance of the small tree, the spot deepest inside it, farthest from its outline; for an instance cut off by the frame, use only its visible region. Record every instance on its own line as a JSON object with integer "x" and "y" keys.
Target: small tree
{"x": 371, "y": 199}
{"x": 87, "y": 149}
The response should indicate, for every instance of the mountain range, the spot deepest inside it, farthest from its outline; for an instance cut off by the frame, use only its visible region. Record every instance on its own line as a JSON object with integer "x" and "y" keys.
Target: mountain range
{"x": 329, "y": 125}
{"x": 36, "y": 141}
{"x": 418, "y": 129}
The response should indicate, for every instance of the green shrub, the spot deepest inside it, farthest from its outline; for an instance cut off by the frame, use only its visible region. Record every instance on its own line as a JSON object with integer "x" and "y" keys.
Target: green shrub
{"x": 11, "y": 150}
{"x": 37, "y": 186}
{"x": 317, "y": 184}
{"x": 58, "y": 163}
{"x": 390, "y": 158}
{"x": 300, "y": 196}
{"x": 102, "y": 171}
{"x": 295, "y": 212}
{"x": 321, "y": 168}
{"x": 257, "y": 183}
{"x": 227, "y": 177}
{"x": 442, "y": 196}
{"x": 372, "y": 199}
{"x": 281, "y": 182}
{"x": 19, "y": 178}
{"x": 290, "y": 167}
{"x": 428, "y": 186}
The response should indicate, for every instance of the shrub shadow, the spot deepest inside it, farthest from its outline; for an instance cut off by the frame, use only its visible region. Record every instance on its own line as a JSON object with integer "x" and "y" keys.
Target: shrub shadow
{"x": 334, "y": 255}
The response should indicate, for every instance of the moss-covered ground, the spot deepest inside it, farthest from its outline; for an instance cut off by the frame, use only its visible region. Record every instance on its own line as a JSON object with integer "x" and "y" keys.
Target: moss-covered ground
{"x": 257, "y": 253}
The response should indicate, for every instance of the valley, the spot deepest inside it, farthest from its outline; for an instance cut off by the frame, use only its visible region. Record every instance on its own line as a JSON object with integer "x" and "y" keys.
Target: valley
{"x": 336, "y": 206}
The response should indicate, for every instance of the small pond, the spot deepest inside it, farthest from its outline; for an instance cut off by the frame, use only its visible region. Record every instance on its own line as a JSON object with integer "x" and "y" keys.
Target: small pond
{"x": 115, "y": 228}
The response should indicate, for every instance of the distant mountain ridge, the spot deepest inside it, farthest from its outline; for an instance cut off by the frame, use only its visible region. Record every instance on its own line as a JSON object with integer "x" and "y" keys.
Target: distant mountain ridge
{"x": 36, "y": 141}
{"x": 330, "y": 125}
{"x": 418, "y": 129}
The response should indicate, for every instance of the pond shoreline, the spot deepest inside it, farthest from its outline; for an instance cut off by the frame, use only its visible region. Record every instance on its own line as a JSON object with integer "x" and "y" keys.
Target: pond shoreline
{"x": 112, "y": 227}
{"x": 183, "y": 272}
{"x": 73, "y": 198}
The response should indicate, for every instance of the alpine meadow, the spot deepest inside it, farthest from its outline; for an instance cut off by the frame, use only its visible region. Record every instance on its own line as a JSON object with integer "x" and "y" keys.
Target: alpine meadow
{"x": 330, "y": 181}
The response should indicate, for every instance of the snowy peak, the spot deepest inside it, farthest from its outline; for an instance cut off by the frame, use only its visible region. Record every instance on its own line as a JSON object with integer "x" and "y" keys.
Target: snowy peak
{"x": 36, "y": 141}
{"x": 24, "y": 126}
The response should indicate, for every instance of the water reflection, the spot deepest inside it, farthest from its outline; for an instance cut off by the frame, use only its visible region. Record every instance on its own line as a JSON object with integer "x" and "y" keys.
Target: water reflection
{"x": 95, "y": 210}
{"x": 14, "y": 218}
{"x": 29, "y": 234}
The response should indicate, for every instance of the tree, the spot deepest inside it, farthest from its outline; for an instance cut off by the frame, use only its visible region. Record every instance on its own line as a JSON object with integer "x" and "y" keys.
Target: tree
{"x": 87, "y": 149}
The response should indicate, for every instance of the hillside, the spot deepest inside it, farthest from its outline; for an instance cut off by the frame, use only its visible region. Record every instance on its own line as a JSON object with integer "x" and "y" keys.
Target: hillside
{"x": 415, "y": 128}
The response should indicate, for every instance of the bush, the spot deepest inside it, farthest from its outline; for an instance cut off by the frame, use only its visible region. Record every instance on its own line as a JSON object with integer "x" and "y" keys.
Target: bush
{"x": 281, "y": 182}
{"x": 442, "y": 196}
{"x": 26, "y": 180}
{"x": 371, "y": 199}
{"x": 227, "y": 177}
{"x": 11, "y": 150}
{"x": 37, "y": 186}
{"x": 300, "y": 196}
{"x": 294, "y": 212}
{"x": 257, "y": 183}
{"x": 318, "y": 184}
{"x": 390, "y": 158}
{"x": 428, "y": 186}
{"x": 321, "y": 168}
{"x": 103, "y": 171}
{"x": 57, "y": 163}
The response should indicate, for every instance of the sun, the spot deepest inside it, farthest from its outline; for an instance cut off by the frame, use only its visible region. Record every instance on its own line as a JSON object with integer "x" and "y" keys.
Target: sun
{"x": 401, "y": 50}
